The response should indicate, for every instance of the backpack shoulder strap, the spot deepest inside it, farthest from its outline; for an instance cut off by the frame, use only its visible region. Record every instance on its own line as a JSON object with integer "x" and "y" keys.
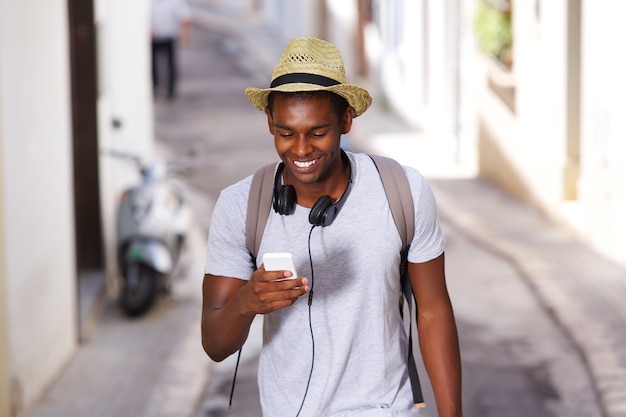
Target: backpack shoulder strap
{"x": 398, "y": 191}
{"x": 259, "y": 205}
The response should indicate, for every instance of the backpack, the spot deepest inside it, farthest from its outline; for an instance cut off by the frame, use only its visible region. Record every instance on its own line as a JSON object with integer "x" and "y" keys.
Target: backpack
{"x": 398, "y": 193}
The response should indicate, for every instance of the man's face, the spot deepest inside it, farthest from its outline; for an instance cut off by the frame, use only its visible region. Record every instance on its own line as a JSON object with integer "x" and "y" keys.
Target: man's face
{"x": 307, "y": 133}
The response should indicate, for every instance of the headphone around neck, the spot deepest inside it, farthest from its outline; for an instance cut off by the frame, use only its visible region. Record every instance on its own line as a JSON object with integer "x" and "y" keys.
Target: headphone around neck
{"x": 324, "y": 210}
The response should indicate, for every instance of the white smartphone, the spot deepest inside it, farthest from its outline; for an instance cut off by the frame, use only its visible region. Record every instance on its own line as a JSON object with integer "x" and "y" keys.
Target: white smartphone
{"x": 280, "y": 262}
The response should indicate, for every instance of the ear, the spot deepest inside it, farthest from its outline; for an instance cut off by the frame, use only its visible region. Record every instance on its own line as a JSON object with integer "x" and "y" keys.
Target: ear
{"x": 270, "y": 120}
{"x": 346, "y": 120}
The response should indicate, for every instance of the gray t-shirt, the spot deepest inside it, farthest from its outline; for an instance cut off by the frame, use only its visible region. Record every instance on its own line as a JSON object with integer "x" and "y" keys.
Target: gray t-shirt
{"x": 360, "y": 345}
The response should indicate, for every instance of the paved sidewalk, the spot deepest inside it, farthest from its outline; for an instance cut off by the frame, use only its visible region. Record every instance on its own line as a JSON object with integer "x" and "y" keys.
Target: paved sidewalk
{"x": 583, "y": 291}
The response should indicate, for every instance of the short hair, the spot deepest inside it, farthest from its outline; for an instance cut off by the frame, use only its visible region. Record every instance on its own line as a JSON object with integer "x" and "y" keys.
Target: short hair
{"x": 338, "y": 103}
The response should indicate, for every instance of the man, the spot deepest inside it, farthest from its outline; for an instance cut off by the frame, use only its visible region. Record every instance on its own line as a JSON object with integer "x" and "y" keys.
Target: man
{"x": 170, "y": 25}
{"x": 333, "y": 339}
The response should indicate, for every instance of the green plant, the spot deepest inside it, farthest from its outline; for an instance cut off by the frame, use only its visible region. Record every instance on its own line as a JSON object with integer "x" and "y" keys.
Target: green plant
{"x": 493, "y": 31}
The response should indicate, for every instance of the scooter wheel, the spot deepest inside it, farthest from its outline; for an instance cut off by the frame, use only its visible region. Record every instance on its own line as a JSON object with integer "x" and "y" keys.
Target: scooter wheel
{"x": 140, "y": 289}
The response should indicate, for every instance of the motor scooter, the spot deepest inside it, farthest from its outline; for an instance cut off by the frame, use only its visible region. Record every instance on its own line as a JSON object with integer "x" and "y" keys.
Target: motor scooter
{"x": 153, "y": 221}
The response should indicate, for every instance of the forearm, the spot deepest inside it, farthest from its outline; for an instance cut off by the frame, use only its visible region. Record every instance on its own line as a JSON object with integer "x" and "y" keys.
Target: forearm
{"x": 225, "y": 329}
{"x": 440, "y": 350}
{"x": 229, "y": 306}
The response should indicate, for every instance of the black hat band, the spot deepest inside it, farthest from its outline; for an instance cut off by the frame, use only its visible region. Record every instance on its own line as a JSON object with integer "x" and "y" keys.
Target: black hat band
{"x": 302, "y": 77}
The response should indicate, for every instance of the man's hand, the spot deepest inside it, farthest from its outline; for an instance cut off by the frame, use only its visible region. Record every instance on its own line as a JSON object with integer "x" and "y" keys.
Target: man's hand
{"x": 229, "y": 305}
{"x": 264, "y": 292}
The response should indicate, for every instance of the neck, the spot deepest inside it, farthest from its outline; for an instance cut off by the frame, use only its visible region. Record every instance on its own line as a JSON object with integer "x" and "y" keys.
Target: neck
{"x": 333, "y": 184}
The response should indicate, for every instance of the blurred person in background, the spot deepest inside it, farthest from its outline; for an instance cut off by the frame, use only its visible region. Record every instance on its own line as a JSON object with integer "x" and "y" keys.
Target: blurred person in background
{"x": 344, "y": 351}
{"x": 170, "y": 22}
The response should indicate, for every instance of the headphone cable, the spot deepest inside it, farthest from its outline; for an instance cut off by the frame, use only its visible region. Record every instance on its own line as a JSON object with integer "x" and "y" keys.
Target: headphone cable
{"x": 306, "y": 391}
{"x": 232, "y": 388}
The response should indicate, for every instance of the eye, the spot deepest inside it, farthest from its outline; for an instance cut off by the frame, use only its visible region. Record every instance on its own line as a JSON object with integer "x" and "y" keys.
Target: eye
{"x": 318, "y": 134}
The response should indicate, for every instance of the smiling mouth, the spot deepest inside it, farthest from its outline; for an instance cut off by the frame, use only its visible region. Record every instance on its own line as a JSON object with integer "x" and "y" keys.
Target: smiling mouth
{"x": 304, "y": 164}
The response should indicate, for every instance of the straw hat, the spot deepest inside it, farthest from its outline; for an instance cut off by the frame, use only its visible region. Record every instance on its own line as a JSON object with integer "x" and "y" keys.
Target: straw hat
{"x": 310, "y": 64}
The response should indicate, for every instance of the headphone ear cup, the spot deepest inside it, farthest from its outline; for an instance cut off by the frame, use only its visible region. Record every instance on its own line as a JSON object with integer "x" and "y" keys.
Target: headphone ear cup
{"x": 318, "y": 211}
{"x": 285, "y": 199}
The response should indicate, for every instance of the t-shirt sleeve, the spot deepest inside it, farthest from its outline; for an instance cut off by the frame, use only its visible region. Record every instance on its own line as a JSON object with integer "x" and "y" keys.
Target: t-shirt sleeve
{"x": 428, "y": 241}
{"x": 226, "y": 253}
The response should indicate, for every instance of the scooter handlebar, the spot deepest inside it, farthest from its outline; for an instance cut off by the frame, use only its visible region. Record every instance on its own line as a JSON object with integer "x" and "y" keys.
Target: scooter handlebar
{"x": 127, "y": 156}
{"x": 149, "y": 171}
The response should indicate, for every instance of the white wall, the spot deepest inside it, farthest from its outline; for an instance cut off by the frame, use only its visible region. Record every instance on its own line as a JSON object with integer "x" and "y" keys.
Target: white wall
{"x": 126, "y": 95}
{"x": 603, "y": 180}
{"x": 5, "y": 372}
{"x": 39, "y": 234}
{"x": 342, "y": 27}
{"x": 419, "y": 56}
{"x": 532, "y": 139}
{"x": 541, "y": 70}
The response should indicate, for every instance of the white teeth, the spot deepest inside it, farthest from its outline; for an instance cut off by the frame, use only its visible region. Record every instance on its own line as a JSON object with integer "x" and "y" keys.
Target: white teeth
{"x": 301, "y": 164}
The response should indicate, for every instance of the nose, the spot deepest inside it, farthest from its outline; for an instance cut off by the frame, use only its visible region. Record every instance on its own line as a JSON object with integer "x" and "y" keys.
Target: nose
{"x": 302, "y": 146}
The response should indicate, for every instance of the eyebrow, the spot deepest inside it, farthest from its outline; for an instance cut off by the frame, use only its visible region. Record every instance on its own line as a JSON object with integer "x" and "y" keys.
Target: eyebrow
{"x": 324, "y": 126}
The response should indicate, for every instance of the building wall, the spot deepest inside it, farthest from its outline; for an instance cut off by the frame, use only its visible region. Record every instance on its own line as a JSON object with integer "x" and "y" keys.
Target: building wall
{"x": 404, "y": 56}
{"x": 341, "y": 27}
{"x": 39, "y": 264}
{"x": 602, "y": 186}
{"x": 5, "y": 372}
{"x": 413, "y": 53}
{"x": 125, "y": 97}
{"x": 531, "y": 139}
{"x": 561, "y": 148}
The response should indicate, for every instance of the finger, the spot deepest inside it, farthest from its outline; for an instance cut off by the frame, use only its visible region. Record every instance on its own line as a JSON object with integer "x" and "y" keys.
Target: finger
{"x": 286, "y": 298}
{"x": 267, "y": 302}
{"x": 267, "y": 276}
{"x": 292, "y": 283}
